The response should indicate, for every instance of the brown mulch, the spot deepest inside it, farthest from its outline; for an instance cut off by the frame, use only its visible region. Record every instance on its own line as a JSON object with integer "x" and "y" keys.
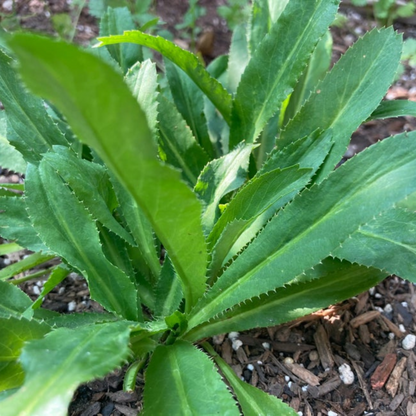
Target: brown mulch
{"x": 298, "y": 362}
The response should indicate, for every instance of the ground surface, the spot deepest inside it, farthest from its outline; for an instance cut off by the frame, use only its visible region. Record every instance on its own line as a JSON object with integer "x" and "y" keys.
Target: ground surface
{"x": 299, "y": 361}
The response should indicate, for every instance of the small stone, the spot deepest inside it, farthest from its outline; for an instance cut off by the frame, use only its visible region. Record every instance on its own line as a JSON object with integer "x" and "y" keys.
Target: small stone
{"x": 409, "y": 342}
{"x": 36, "y": 290}
{"x": 405, "y": 304}
{"x": 236, "y": 344}
{"x": 287, "y": 379}
{"x": 391, "y": 335}
{"x": 8, "y": 5}
{"x": 6, "y": 261}
{"x": 233, "y": 335}
{"x": 378, "y": 295}
{"x": 71, "y": 306}
{"x": 388, "y": 308}
{"x": 288, "y": 360}
{"x": 266, "y": 345}
{"x": 218, "y": 339}
{"x": 314, "y": 356}
{"x": 372, "y": 291}
{"x": 346, "y": 375}
{"x": 61, "y": 290}
{"x": 250, "y": 367}
{"x": 402, "y": 328}
{"x": 331, "y": 413}
{"x": 305, "y": 388}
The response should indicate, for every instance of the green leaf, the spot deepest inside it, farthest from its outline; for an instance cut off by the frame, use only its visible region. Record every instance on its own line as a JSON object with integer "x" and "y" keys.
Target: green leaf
{"x": 57, "y": 276}
{"x": 142, "y": 81}
{"x": 15, "y": 224}
{"x": 253, "y": 401}
{"x": 388, "y": 242}
{"x": 7, "y": 248}
{"x": 394, "y": 108}
{"x": 316, "y": 222}
{"x": 250, "y": 209}
{"x": 316, "y": 70}
{"x": 177, "y": 370}
{"x": 189, "y": 100}
{"x": 220, "y": 177}
{"x": 64, "y": 224}
{"x": 32, "y": 131}
{"x": 264, "y": 14}
{"x": 238, "y": 59}
{"x": 337, "y": 103}
{"x": 26, "y": 263}
{"x": 10, "y": 158}
{"x": 328, "y": 283}
{"x": 114, "y": 22}
{"x": 167, "y": 202}
{"x": 185, "y": 60}
{"x": 76, "y": 320}
{"x": 140, "y": 228}
{"x": 91, "y": 184}
{"x": 65, "y": 358}
{"x": 178, "y": 147}
{"x": 13, "y": 302}
{"x": 168, "y": 291}
{"x": 276, "y": 65}
{"x": 14, "y": 334}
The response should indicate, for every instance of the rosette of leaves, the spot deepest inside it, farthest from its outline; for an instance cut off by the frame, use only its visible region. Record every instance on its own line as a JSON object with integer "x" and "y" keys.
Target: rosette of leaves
{"x": 194, "y": 204}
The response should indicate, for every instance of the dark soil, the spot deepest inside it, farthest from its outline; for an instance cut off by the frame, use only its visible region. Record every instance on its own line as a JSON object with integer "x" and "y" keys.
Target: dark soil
{"x": 299, "y": 361}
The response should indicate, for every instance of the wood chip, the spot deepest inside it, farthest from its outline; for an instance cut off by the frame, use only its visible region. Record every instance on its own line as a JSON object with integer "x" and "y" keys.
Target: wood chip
{"x": 411, "y": 409}
{"x": 125, "y": 410}
{"x": 304, "y": 374}
{"x": 323, "y": 347}
{"x": 395, "y": 403}
{"x": 364, "y": 318}
{"x": 329, "y": 386}
{"x": 411, "y": 370}
{"x": 382, "y": 373}
{"x": 393, "y": 382}
{"x": 364, "y": 334}
{"x": 363, "y": 383}
{"x": 392, "y": 327}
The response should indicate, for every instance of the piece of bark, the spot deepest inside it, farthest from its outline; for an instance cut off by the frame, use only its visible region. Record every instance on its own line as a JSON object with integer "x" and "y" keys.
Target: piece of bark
{"x": 412, "y": 387}
{"x": 254, "y": 378}
{"x": 362, "y": 303}
{"x": 125, "y": 410}
{"x": 364, "y": 334}
{"x": 388, "y": 348}
{"x": 329, "y": 386}
{"x": 242, "y": 356}
{"x": 395, "y": 403}
{"x": 364, "y": 318}
{"x": 362, "y": 383}
{"x": 304, "y": 374}
{"x": 383, "y": 371}
{"x": 227, "y": 352}
{"x": 392, "y": 327}
{"x": 411, "y": 409}
{"x": 307, "y": 410}
{"x": 295, "y": 404}
{"x": 323, "y": 347}
{"x": 411, "y": 370}
{"x": 394, "y": 379}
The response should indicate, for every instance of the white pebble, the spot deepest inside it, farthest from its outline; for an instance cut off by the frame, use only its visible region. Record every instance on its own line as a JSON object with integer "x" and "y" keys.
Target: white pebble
{"x": 6, "y": 261}
{"x": 36, "y": 290}
{"x": 388, "y": 308}
{"x": 378, "y": 295}
{"x": 409, "y": 342}
{"x": 377, "y": 308}
{"x": 331, "y": 413}
{"x": 391, "y": 335}
{"x": 218, "y": 339}
{"x": 233, "y": 335}
{"x": 259, "y": 362}
{"x": 288, "y": 360}
{"x": 300, "y": 413}
{"x": 61, "y": 290}
{"x": 405, "y": 304}
{"x": 372, "y": 291}
{"x": 289, "y": 384}
{"x": 236, "y": 344}
{"x": 287, "y": 379}
{"x": 8, "y": 5}
{"x": 305, "y": 388}
{"x": 345, "y": 374}
{"x": 73, "y": 275}
{"x": 402, "y": 328}
{"x": 313, "y": 355}
{"x": 266, "y": 345}
{"x": 250, "y": 367}
{"x": 71, "y": 306}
